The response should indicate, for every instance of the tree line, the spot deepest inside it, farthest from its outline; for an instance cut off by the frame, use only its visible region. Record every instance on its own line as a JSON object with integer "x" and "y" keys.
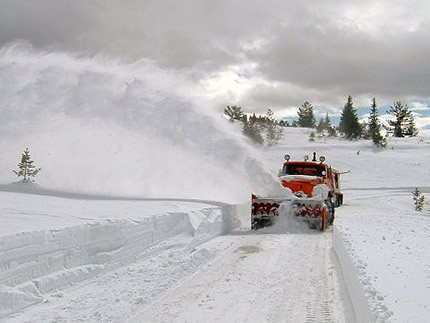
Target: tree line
{"x": 402, "y": 124}
{"x": 261, "y": 129}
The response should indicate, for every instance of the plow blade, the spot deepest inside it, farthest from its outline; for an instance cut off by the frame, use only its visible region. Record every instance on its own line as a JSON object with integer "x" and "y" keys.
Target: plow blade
{"x": 312, "y": 210}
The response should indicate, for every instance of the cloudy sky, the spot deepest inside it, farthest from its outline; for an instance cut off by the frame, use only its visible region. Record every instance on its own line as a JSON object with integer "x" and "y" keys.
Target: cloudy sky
{"x": 257, "y": 54}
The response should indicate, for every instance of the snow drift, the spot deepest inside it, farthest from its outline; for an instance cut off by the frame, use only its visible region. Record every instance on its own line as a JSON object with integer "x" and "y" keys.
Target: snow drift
{"x": 87, "y": 238}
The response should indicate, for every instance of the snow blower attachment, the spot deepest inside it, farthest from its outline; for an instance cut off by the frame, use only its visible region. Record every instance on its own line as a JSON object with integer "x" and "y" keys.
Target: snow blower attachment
{"x": 315, "y": 188}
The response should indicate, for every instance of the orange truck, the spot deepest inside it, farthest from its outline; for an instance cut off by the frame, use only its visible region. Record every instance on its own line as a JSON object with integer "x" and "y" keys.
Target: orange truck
{"x": 314, "y": 193}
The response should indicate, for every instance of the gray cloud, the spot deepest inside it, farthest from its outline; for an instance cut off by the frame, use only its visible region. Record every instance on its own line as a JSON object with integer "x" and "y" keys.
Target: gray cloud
{"x": 313, "y": 50}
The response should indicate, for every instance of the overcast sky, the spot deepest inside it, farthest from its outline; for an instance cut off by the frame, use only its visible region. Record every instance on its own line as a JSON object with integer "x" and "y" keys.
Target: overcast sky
{"x": 258, "y": 54}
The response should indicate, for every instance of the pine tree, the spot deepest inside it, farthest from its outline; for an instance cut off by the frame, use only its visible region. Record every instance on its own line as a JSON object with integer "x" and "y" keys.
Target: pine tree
{"x": 419, "y": 199}
{"x": 252, "y": 130}
{"x": 306, "y": 116}
{"x": 312, "y": 136}
{"x": 364, "y": 130}
{"x": 411, "y": 128}
{"x": 321, "y": 126}
{"x": 349, "y": 124}
{"x": 332, "y": 131}
{"x": 26, "y": 169}
{"x": 273, "y": 131}
{"x": 404, "y": 123}
{"x": 234, "y": 113}
{"x": 328, "y": 126}
{"x": 374, "y": 126}
{"x": 284, "y": 123}
{"x": 327, "y": 121}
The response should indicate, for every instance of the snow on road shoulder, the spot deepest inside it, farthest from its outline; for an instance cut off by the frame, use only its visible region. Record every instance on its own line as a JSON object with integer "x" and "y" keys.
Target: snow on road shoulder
{"x": 382, "y": 244}
{"x": 115, "y": 296}
{"x": 48, "y": 243}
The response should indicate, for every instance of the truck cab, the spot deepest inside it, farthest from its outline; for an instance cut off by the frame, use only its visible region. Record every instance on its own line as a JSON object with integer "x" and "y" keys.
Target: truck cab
{"x": 308, "y": 178}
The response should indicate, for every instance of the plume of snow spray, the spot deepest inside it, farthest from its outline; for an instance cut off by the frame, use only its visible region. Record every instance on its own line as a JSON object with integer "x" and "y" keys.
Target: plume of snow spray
{"x": 98, "y": 125}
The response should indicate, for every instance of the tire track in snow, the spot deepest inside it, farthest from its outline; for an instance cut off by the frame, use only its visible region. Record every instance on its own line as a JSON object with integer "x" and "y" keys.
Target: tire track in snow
{"x": 318, "y": 305}
{"x": 258, "y": 278}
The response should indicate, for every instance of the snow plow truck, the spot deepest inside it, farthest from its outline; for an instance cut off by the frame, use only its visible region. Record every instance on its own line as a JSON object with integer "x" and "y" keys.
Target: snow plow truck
{"x": 314, "y": 193}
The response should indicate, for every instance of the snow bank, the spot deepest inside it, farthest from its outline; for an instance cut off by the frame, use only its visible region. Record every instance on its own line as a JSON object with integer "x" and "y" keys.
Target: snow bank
{"x": 355, "y": 291}
{"x": 384, "y": 255}
{"x": 38, "y": 262}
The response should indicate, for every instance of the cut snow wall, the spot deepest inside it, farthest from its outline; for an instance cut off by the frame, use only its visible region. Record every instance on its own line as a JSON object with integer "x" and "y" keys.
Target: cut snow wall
{"x": 358, "y": 299}
{"x": 36, "y": 263}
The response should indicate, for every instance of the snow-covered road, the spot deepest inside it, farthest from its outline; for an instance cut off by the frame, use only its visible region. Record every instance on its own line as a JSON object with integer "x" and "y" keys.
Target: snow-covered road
{"x": 258, "y": 278}
{"x": 241, "y": 277}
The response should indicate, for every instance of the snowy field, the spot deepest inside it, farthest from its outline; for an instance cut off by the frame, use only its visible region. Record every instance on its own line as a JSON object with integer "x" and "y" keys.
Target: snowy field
{"x": 142, "y": 213}
{"x": 109, "y": 259}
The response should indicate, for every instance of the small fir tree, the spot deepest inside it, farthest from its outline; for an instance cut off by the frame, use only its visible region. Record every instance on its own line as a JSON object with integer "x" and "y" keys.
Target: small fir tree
{"x": 327, "y": 121}
{"x": 284, "y": 123}
{"x": 321, "y": 126}
{"x": 349, "y": 124}
{"x": 404, "y": 123}
{"x": 273, "y": 130}
{"x": 329, "y": 127}
{"x": 419, "y": 199}
{"x": 26, "y": 169}
{"x": 234, "y": 113}
{"x": 332, "y": 131}
{"x": 411, "y": 128}
{"x": 252, "y": 130}
{"x": 374, "y": 126}
{"x": 312, "y": 136}
{"x": 306, "y": 116}
{"x": 364, "y": 130}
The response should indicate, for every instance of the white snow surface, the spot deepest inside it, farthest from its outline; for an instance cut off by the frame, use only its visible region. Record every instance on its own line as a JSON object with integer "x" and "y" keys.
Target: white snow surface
{"x": 140, "y": 215}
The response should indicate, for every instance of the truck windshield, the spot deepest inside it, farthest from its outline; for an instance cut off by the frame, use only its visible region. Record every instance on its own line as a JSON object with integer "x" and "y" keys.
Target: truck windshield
{"x": 309, "y": 170}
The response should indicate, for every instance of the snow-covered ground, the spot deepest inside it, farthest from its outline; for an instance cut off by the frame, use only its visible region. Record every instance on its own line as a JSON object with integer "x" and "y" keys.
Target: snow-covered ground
{"x": 143, "y": 213}
{"x": 109, "y": 259}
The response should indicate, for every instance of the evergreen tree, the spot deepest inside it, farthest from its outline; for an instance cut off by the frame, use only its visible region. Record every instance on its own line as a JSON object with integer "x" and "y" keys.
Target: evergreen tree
{"x": 324, "y": 125}
{"x": 321, "y": 126}
{"x": 374, "y": 126}
{"x": 312, "y": 136}
{"x": 252, "y": 130}
{"x": 411, "y": 130}
{"x": 284, "y": 123}
{"x": 306, "y": 116}
{"x": 419, "y": 199}
{"x": 332, "y": 131}
{"x": 404, "y": 123}
{"x": 234, "y": 112}
{"x": 329, "y": 127}
{"x": 349, "y": 124}
{"x": 327, "y": 121}
{"x": 273, "y": 131}
{"x": 364, "y": 130}
{"x": 26, "y": 169}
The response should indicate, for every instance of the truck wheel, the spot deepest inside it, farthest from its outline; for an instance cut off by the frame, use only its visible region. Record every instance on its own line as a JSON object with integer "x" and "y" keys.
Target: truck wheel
{"x": 321, "y": 226}
{"x": 330, "y": 207}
